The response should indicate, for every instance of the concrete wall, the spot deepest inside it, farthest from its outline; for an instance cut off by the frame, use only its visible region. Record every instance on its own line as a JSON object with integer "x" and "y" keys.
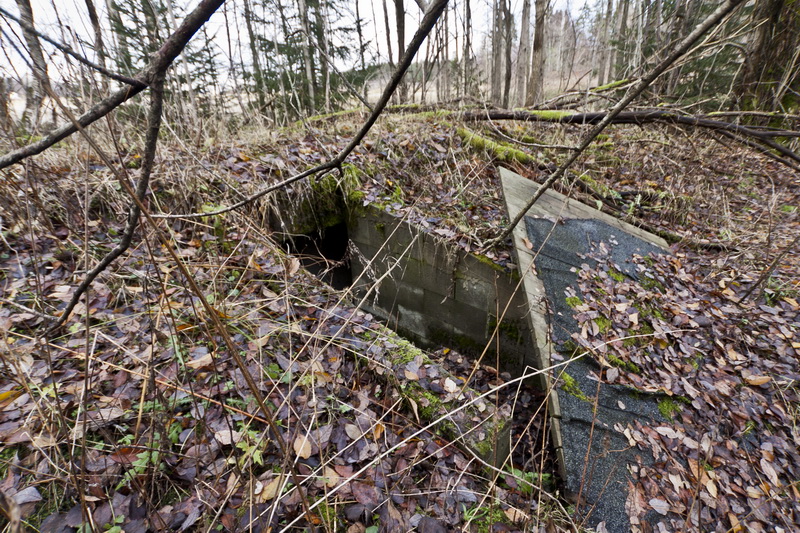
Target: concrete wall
{"x": 438, "y": 295}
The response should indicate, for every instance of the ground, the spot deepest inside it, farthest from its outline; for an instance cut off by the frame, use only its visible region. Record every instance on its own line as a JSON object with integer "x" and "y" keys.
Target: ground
{"x": 158, "y": 418}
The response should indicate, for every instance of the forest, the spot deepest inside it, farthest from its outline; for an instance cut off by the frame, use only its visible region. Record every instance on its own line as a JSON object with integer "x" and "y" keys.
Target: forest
{"x": 442, "y": 265}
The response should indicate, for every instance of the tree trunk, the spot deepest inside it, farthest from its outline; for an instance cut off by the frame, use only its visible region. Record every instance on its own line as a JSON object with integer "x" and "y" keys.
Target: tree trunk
{"x": 388, "y": 33}
{"x": 360, "y": 32}
{"x": 400, "y": 21}
{"x": 771, "y": 68}
{"x": 523, "y": 56}
{"x": 508, "y": 30}
{"x": 620, "y": 64}
{"x": 497, "y": 53}
{"x": 258, "y": 74}
{"x": 603, "y": 43}
{"x": 322, "y": 41}
{"x": 467, "y": 59}
{"x": 309, "y": 66}
{"x": 41, "y": 82}
{"x": 536, "y": 83}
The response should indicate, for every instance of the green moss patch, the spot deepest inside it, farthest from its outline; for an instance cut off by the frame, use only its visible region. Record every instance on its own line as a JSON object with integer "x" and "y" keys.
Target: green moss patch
{"x": 668, "y": 408}
{"x": 609, "y": 86}
{"x": 571, "y": 387}
{"x": 626, "y": 365}
{"x": 501, "y": 151}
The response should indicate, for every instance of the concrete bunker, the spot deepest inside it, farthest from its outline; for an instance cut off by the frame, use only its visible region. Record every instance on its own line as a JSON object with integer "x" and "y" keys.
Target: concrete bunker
{"x": 432, "y": 292}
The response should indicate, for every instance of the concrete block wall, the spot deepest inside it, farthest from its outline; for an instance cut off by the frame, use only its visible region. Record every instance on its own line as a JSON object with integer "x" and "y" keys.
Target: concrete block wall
{"x": 438, "y": 295}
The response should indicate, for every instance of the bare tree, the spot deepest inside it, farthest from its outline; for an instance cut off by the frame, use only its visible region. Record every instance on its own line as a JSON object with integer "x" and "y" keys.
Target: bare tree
{"x": 35, "y": 93}
{"x": 536, "y": 83}
{"x": 523, "y": 56}
{"x": 307, "y": 58}
{"x": 602, "y": 43}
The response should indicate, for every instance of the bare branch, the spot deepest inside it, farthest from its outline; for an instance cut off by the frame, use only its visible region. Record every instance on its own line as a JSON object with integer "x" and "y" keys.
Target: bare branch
{"x": 70, "y": 52}
{"x": 162, "y": 59}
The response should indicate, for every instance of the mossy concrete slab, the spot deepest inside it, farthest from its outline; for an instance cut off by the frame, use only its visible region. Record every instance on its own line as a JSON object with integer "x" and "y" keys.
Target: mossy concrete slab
{"x": 551, "y": 245}
{"x": 437, "y": 293}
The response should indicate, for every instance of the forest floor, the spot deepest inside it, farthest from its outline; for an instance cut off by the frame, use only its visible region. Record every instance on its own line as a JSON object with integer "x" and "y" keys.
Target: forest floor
{"x": 134, "y": 415}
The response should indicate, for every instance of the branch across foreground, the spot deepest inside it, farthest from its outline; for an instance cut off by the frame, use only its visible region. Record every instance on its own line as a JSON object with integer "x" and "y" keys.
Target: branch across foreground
{"x": 712, "y": 20}
{"x": 162, "y": 60}
{"x": 70, "y": 52}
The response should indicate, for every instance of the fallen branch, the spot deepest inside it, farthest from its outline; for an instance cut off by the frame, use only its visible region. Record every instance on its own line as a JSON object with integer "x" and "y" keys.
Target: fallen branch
{"x": 162, "y": 59}
{"x": 639, "y": 118}
{"x": 721, "y": 12}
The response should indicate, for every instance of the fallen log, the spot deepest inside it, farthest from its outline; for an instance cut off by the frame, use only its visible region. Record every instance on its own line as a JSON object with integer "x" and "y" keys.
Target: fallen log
{"x": 641, "y": 118}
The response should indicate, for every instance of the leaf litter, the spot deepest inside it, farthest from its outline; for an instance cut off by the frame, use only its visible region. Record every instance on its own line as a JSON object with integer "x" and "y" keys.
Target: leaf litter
{"x": 174, "y": 440}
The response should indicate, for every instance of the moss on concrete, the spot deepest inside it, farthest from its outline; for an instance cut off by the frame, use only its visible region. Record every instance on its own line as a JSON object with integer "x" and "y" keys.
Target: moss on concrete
{"x": 571, "y": 387}
{"x": 510, "y": 328}
{"x": 406, "y": 351}
{"x": 616, "y": 275}
{"x": 573, "y": 301}
{"x": 668, "y": 408}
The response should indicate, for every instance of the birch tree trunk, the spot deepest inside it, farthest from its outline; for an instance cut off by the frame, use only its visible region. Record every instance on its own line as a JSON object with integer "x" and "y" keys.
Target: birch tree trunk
{"x": 322, "y": 40}
{"x": 307, "y": 59}
{"x": 34, "y": 95}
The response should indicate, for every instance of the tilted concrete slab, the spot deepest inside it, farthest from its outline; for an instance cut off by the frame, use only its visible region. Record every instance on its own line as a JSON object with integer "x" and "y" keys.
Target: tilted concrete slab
{"x": 593, "y": 457}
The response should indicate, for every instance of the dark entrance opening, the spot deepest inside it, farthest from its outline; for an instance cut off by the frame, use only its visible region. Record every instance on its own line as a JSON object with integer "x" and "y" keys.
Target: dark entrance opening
{"x": 324, "y": 254}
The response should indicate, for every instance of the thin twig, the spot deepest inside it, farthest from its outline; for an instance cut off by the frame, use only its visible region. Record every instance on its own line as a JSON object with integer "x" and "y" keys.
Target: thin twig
{"x": 768, "y": 271}
{"x": 26, "y": 309}
{"x": 165, "y": 56}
